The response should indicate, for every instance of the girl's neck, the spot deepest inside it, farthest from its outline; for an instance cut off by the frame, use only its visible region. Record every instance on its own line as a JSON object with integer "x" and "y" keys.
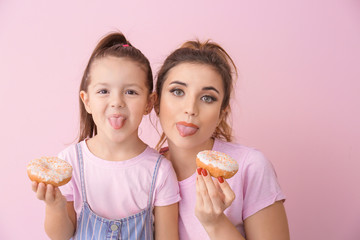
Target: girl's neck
{"x": 115, "y": 151}
{"x": 184, "y": 159}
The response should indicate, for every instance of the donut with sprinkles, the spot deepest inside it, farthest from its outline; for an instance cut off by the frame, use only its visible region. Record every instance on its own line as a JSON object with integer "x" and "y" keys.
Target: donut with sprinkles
{"x": 50, "y": 170}
{"x": 217, "y": 163}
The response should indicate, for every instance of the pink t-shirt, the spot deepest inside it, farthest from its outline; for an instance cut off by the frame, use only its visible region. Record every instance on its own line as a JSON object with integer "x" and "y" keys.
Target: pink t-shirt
{"x": 255, "y": 186}
{"x": 116, "y": 190}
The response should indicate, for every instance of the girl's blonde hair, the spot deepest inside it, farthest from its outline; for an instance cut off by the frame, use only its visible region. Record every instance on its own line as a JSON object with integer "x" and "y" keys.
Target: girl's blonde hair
{"x": 115, "y": 45}
{"x": 208, "y": 53}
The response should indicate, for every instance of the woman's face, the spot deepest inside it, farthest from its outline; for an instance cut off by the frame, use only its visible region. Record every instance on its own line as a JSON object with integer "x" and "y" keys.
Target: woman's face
{"x": 190, "y": 104}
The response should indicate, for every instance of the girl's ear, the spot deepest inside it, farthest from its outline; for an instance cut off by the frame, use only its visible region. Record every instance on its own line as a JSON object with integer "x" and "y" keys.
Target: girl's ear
{"x": 85, "y": 99}
{"x": 151, "y": 101}
{"x": 157, "y": 104}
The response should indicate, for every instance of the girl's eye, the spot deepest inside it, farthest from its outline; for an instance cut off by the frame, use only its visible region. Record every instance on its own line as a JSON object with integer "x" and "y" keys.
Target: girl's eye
{"x": 177, "y": 92}
{"x": 208, "y": 99}
{"x": 103, "y": 91}
{"x": 131, "y": 92}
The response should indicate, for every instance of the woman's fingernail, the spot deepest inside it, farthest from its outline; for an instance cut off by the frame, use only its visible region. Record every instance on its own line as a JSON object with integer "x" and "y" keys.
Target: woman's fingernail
{"x": 199, "y": 171}
{"x": 204, "y": 172}
{"x": 221, "y": 180}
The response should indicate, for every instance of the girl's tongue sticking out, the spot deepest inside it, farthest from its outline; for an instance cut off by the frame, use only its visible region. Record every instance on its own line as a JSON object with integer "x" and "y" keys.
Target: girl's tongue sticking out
{"x": 117, "y": 122}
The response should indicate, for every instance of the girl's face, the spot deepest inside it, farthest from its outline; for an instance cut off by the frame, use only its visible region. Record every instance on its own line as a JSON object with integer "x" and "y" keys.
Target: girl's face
{"x": 190, "y": 104}
{"x": 117, "y": 98}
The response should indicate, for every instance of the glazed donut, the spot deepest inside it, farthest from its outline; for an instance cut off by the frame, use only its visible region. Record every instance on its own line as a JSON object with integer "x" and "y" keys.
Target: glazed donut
{"x": 50, "y": 170}
{"x": 217, "y": 163}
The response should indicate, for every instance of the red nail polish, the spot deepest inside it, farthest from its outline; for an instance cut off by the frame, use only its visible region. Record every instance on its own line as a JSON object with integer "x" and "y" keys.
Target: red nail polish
{"x": 199, "y": 171}
{"x": 221, "y": 180}
{"x": 204, "y": 172}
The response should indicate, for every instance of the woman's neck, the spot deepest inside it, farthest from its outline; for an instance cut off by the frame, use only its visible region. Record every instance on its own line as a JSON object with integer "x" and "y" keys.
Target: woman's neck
{"x": 184, "y": 159}
{"x": 115, "y": 151}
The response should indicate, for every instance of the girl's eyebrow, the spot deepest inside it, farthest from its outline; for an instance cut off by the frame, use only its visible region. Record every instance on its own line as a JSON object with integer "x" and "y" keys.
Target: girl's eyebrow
{"x": 101, "y": 84}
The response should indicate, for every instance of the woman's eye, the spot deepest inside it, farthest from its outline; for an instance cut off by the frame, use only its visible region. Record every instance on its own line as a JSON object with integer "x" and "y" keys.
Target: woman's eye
{"x": 177, "y": 92}
{"x": 208, "y": 99}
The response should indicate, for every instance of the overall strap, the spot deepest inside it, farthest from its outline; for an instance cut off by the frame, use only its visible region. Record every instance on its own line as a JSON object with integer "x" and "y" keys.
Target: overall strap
{"x": 81, "y": 165}
{"x": 153, "y": 181}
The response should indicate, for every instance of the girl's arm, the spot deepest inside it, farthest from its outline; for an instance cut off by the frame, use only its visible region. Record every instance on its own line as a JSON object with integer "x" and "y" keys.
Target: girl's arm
{"x": 213, "y": 198}
{"x": 166, "y": 222}
{"x": 60, "y": 216}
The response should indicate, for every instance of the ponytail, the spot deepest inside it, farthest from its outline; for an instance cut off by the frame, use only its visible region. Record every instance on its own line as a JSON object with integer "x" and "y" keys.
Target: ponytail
{"x": 116, "y": 45}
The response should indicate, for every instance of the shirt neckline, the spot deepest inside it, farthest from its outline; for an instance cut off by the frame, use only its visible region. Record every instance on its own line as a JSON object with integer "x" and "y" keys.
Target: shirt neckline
{"x": 106, "y": 163}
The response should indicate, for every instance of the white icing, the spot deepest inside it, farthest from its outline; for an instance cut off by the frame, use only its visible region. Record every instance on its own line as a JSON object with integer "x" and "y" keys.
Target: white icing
{"x": 219, "y": 160}
{"x": 50, "y": 168}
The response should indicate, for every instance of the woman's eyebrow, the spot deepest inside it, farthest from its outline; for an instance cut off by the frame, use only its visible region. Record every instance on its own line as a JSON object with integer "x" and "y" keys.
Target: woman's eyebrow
{"x": 178, "y": 82}
{"x": 211, "y": 88}
{"x": 204, "y": 88}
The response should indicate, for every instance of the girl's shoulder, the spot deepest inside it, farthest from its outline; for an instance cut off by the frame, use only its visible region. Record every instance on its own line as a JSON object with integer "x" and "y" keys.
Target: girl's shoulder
{"x": 165, "y": 163}
{"x": 69, "y": 153}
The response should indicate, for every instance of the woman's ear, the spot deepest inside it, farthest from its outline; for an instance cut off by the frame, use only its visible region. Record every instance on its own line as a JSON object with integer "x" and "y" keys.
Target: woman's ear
{"x": 85, "y": 99}
{"x": 151, "y": 102}
{"x": 223, "y": 114}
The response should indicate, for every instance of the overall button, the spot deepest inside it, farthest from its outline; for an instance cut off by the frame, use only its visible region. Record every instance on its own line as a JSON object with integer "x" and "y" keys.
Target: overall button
{"x": 114, "y": 227}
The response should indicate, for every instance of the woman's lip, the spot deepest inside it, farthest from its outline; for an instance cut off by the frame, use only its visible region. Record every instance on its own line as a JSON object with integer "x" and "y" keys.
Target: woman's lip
{"x": 187, "y": 124}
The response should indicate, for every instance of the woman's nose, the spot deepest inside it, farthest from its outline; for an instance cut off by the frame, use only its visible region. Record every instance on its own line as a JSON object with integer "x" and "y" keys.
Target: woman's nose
{"x": 191, "y": 108}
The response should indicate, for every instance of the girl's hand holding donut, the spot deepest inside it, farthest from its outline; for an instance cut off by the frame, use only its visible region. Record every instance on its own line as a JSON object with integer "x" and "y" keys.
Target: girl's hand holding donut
{"x": 46, "y": 174}
{"x": 212, "y": 197}
{"x": 49, "y": 194}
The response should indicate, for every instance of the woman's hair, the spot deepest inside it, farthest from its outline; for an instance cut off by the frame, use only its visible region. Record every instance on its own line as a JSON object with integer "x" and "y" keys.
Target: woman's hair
{"x": 114, "y": 45}
{"x": 211, "y": 54}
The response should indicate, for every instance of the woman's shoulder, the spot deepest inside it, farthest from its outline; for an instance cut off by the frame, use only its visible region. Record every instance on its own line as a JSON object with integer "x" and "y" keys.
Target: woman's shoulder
{"x": 232, "y": 148}
{"x": 243, "y": 154}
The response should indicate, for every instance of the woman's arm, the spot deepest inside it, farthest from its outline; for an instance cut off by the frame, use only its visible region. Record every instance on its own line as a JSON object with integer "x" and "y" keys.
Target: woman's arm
{"x": 268, "y": 223}
{"x": 60, "y": 216}
{"x": 213, "y": 198}
{"x": 166, "y": 222}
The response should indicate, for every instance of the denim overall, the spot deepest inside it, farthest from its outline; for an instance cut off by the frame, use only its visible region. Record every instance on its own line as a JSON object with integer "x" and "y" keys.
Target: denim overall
{"x": 92, "y": 226}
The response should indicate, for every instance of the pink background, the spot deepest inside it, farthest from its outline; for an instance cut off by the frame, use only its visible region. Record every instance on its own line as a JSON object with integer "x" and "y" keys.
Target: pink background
{"x": 297, "y": 97}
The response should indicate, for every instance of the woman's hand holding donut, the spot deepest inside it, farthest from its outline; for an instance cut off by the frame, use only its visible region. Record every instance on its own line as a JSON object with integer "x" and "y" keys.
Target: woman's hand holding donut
{"x": 49, "y": 194}
{"x": 212, "y": 198}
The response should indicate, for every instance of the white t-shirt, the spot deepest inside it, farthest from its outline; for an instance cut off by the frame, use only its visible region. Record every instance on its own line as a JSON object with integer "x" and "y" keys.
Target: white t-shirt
{"x": 119, "y": 189}
{"x": 255, "y": 186}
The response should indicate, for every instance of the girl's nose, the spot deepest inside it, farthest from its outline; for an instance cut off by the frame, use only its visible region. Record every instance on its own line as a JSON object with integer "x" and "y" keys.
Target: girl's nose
{"x": 117, "y": 101}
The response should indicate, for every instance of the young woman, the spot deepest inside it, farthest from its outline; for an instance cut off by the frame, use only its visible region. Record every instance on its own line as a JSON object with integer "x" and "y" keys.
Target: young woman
{"x": 194, "y": 87}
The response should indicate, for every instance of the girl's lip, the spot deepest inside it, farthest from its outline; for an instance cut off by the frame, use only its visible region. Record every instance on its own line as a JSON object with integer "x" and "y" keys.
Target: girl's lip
{"x": 187, "y": 124}
{"x": 116, "y": 121}
{"x": 116, "y": 115}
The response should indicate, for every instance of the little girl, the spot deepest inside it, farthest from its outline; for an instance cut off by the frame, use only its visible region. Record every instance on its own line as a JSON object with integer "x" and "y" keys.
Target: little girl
{"x": 118, "y": 181}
